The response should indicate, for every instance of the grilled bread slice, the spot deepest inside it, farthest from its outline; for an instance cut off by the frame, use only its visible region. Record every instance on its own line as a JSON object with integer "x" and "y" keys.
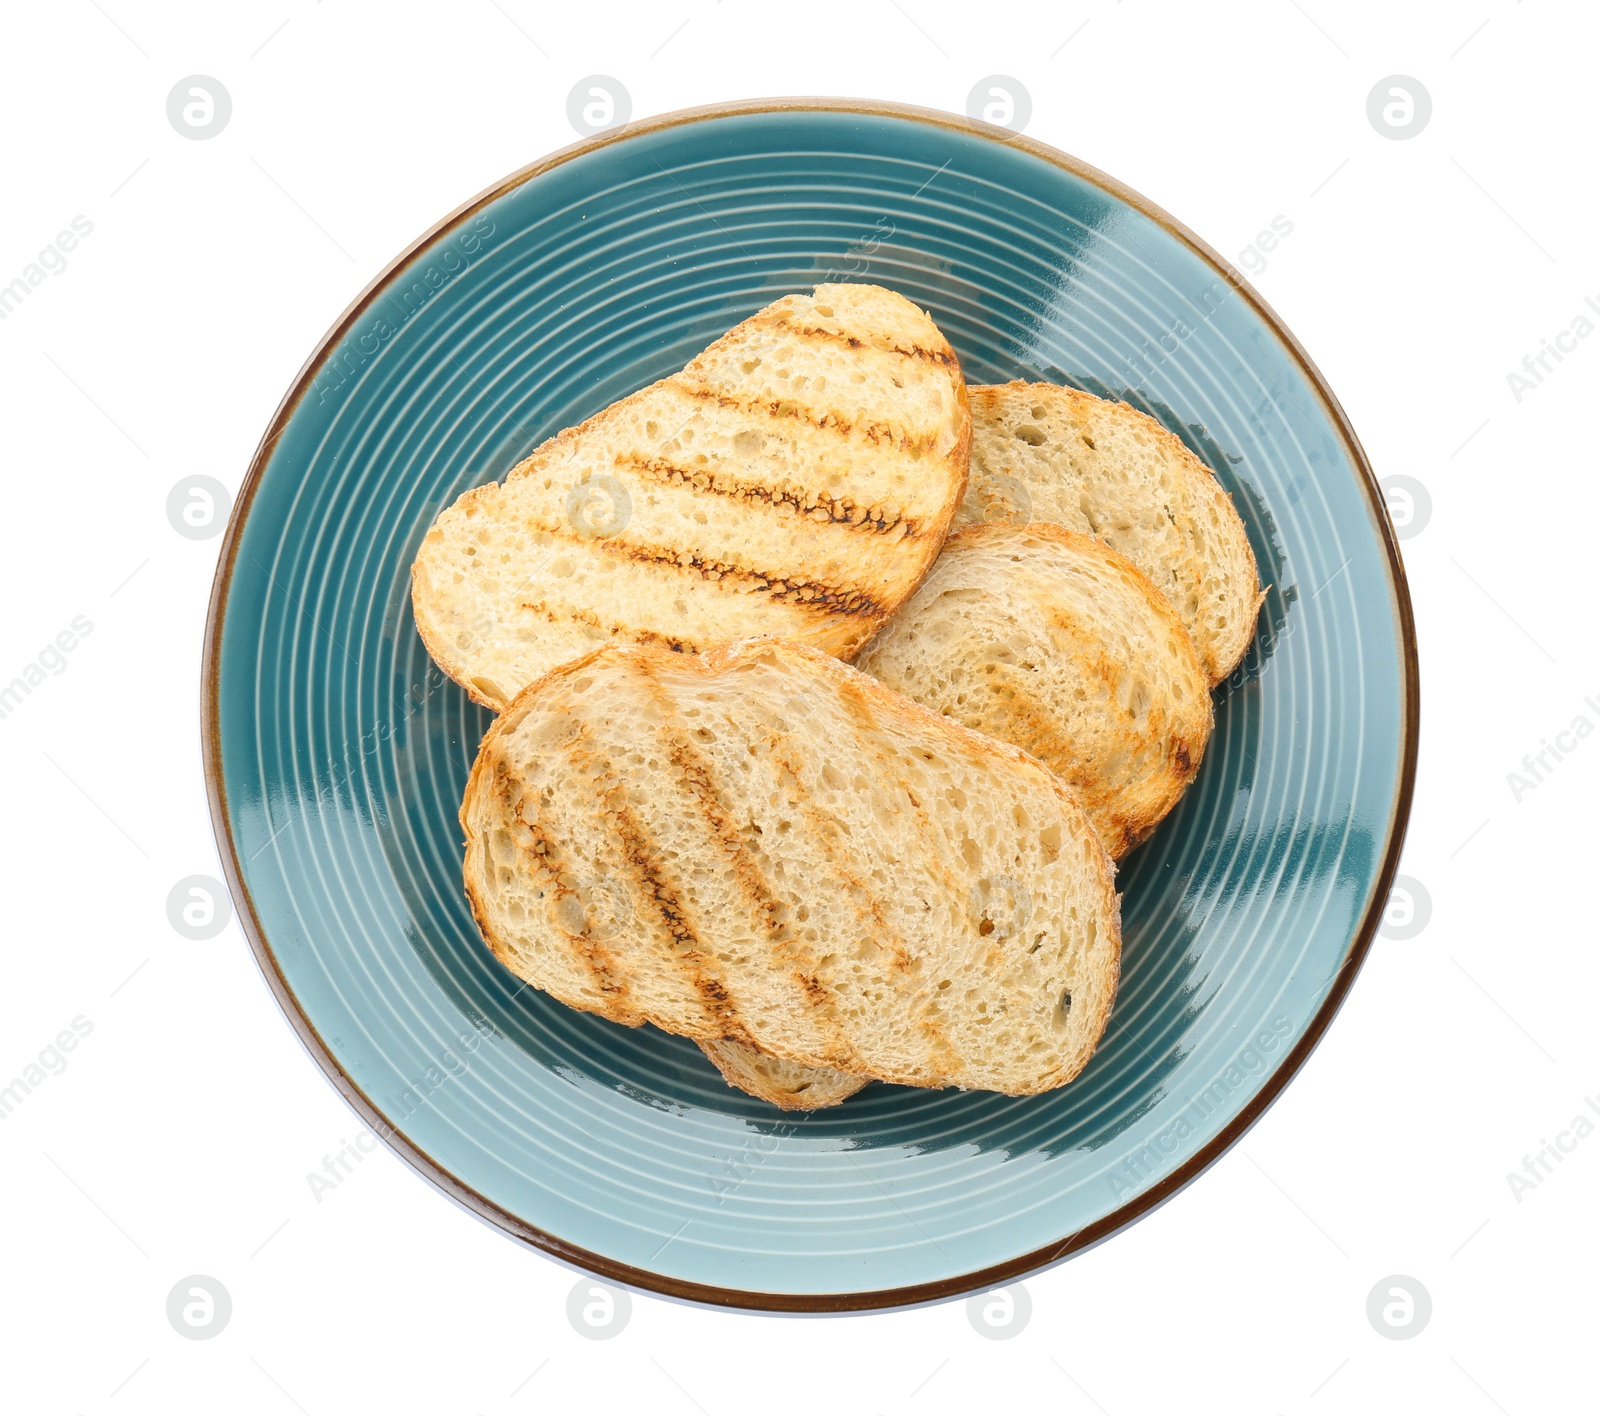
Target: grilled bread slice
{"x": 1041, "y": 452}
{"x": 763, "y": 845}
{"x": 791, "y": 1085}
{"x": 1050, "y": 640}
{"x": 796, "y": 479}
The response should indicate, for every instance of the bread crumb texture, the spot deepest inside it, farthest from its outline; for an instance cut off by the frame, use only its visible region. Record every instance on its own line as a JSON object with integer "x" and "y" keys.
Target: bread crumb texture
{"x": 797, "y": 478}
{"x": 1042, "y": 452}
{"x": 1052, "y": 641}
{"x": 763, "y": 845}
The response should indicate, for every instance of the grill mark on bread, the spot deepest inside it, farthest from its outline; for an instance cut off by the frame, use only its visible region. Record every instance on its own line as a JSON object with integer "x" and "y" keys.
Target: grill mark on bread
{"x": 544, "y": 854}
{"x": 1175, "y": 753}
{"x": 1121, "y": 830}
{"x": 793, "y": 590}
{"x": 1035, "y": 729}
{"x": 1090, "y": 650}
{"x": 641, "y": 855}
{"x": 784, "y": 590}
{"x": 855, "y": 695}
{"x": 783, "y": 320}
{"x": 701, "y": 785}
{"x": 879, "y": 434}
{"x": 569, "y": 614}
{"x": 942, "y": 1051}
{"x": 837, "y": 511}
{"x": 856, "y": 699}
{"x": 823, "y": 832}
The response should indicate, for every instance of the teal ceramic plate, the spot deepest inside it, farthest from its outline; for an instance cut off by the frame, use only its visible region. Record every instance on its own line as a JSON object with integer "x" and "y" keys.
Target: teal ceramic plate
{"x": 336, "y": 754}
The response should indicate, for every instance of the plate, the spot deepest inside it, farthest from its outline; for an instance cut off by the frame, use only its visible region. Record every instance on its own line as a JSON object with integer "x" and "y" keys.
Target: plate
{"x": 336, "y": 754}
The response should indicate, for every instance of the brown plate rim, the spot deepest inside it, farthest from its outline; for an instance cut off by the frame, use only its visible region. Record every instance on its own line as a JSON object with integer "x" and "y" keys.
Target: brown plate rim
{"x": 806, "y": 1303}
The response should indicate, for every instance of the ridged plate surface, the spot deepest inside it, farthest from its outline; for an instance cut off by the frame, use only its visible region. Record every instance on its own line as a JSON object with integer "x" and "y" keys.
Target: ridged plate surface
{"x": 337, "y": 754}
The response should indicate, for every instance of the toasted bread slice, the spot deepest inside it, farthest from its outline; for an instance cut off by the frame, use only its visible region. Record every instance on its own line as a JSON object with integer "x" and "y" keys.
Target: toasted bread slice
{"x": 796, "y": 479}
{"x": 1050, "y": 640}
{"x": 763, "y": 845}
{"x": 791, "y": 1085}
{"x": 1041, "y": 452}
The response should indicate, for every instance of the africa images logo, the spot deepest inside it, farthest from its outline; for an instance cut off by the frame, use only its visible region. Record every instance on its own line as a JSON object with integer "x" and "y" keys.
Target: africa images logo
{"x": 1146, "y": 1162}
{"x": 406, "y": 295}
{"x": 1541, "y": 1165}
{"x": 51, "y": 260}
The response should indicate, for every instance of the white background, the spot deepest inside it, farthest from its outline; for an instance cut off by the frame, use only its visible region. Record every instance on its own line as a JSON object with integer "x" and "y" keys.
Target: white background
{"x": 179, "y": 1136}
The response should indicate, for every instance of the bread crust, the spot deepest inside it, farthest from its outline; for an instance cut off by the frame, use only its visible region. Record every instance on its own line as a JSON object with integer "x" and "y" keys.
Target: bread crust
{"x": 793, "y": 1086}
